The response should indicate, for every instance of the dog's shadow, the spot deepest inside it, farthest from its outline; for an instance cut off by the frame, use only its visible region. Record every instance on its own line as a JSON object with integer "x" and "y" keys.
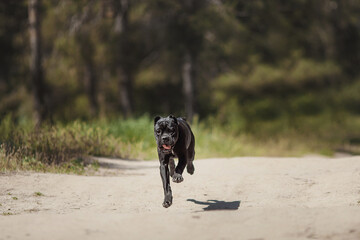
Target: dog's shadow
{"x": 217, "y": 205}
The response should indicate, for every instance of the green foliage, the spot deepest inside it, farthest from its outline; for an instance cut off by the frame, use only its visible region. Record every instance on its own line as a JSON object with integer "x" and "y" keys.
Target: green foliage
{"x": 66, "y": 147}
{"x": 279, "y": 94}
{"x": 7, "y": 214}
{"x": 38, "y": 194}
{"x": 63, "y": 148}
{"x": 272, "y": 77}
{"x": 253, "y": 53}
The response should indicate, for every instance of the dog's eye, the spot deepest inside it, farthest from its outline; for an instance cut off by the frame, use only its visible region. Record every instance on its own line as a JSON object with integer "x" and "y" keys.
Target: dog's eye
{"x": 158, "y": 131}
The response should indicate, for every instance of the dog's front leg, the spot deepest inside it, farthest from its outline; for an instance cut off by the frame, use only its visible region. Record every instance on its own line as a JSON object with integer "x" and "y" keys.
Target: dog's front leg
{"x": 177, "y": 176}
{"x": 165, "y": 177}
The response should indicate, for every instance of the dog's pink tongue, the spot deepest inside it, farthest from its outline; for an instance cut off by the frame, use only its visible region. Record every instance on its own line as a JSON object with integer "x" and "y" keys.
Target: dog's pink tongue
{"x": 166, "y": 147}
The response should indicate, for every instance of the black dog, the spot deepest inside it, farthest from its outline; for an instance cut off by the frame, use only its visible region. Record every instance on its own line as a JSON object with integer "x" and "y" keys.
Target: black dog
{"x": 174, "y": 138}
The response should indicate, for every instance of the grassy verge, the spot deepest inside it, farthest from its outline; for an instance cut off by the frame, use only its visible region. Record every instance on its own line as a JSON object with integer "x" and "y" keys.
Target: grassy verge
{"x": 65, "y": 147}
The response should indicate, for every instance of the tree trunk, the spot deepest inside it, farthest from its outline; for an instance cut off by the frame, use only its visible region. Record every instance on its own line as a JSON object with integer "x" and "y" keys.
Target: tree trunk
{"x": 125, "y": 86}
{"x": 36, "y": 71}
{"x": 91, "y": 87}
{"x": 123, "y": 70}
{"x": 89, "y": 72}
{"x": 188, "y": 84}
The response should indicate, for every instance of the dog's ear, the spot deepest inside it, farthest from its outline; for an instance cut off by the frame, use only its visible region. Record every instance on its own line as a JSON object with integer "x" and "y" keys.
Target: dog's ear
{"x": 156, "y": 119}
{"x": 172, "y": 117}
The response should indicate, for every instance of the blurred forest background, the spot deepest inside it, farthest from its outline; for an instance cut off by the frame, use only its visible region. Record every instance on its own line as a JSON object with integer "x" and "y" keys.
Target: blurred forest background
{"x": 252, "y": 69}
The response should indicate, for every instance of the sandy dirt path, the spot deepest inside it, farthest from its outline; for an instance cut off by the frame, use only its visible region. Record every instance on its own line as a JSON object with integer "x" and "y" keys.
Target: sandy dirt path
{"x": 237, "y": 198}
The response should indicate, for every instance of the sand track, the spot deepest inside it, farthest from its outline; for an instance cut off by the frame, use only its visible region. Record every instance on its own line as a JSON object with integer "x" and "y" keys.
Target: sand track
{"x": 237, "y": 198}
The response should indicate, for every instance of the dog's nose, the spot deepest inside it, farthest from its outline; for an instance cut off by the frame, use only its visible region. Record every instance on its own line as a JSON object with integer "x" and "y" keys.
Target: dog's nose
{"x": 165, "y": 138}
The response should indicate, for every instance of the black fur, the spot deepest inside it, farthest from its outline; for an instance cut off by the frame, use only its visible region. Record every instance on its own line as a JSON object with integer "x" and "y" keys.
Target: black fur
{"x": 174, "y": 139}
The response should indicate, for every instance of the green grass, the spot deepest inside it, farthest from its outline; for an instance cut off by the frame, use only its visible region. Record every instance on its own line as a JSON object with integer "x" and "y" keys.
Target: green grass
{"x": 65, "y": 148}
{"x": 7, "y": 214}
{"x": 59, "y": 148}
{"x": 38, "y": 194}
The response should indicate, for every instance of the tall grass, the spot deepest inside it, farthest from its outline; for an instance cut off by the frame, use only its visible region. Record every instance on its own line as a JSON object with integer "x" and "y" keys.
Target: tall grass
{"x": 66, "y": 147}
{"x": 62, "y": 148}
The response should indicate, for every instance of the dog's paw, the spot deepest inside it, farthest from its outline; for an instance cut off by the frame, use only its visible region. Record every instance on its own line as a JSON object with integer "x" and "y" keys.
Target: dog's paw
{"x": 190, "y": 168}
{"x": 177, "y": 178}
{"x": 167, "y": 202}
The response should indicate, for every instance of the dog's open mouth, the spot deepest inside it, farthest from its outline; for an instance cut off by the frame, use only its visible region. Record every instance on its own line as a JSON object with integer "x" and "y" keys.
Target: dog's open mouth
{"x": 167, "y": 147}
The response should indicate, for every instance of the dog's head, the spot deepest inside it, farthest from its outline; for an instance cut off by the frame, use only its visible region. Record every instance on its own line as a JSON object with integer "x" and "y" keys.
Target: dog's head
{"x": 166, "y": 133}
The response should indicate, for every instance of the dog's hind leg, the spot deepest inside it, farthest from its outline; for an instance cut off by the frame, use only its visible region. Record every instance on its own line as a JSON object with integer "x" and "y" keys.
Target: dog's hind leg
{"x": 190, "y": 166}
{"x": 172, "y": 166}
{"x": 191, "y": 155}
